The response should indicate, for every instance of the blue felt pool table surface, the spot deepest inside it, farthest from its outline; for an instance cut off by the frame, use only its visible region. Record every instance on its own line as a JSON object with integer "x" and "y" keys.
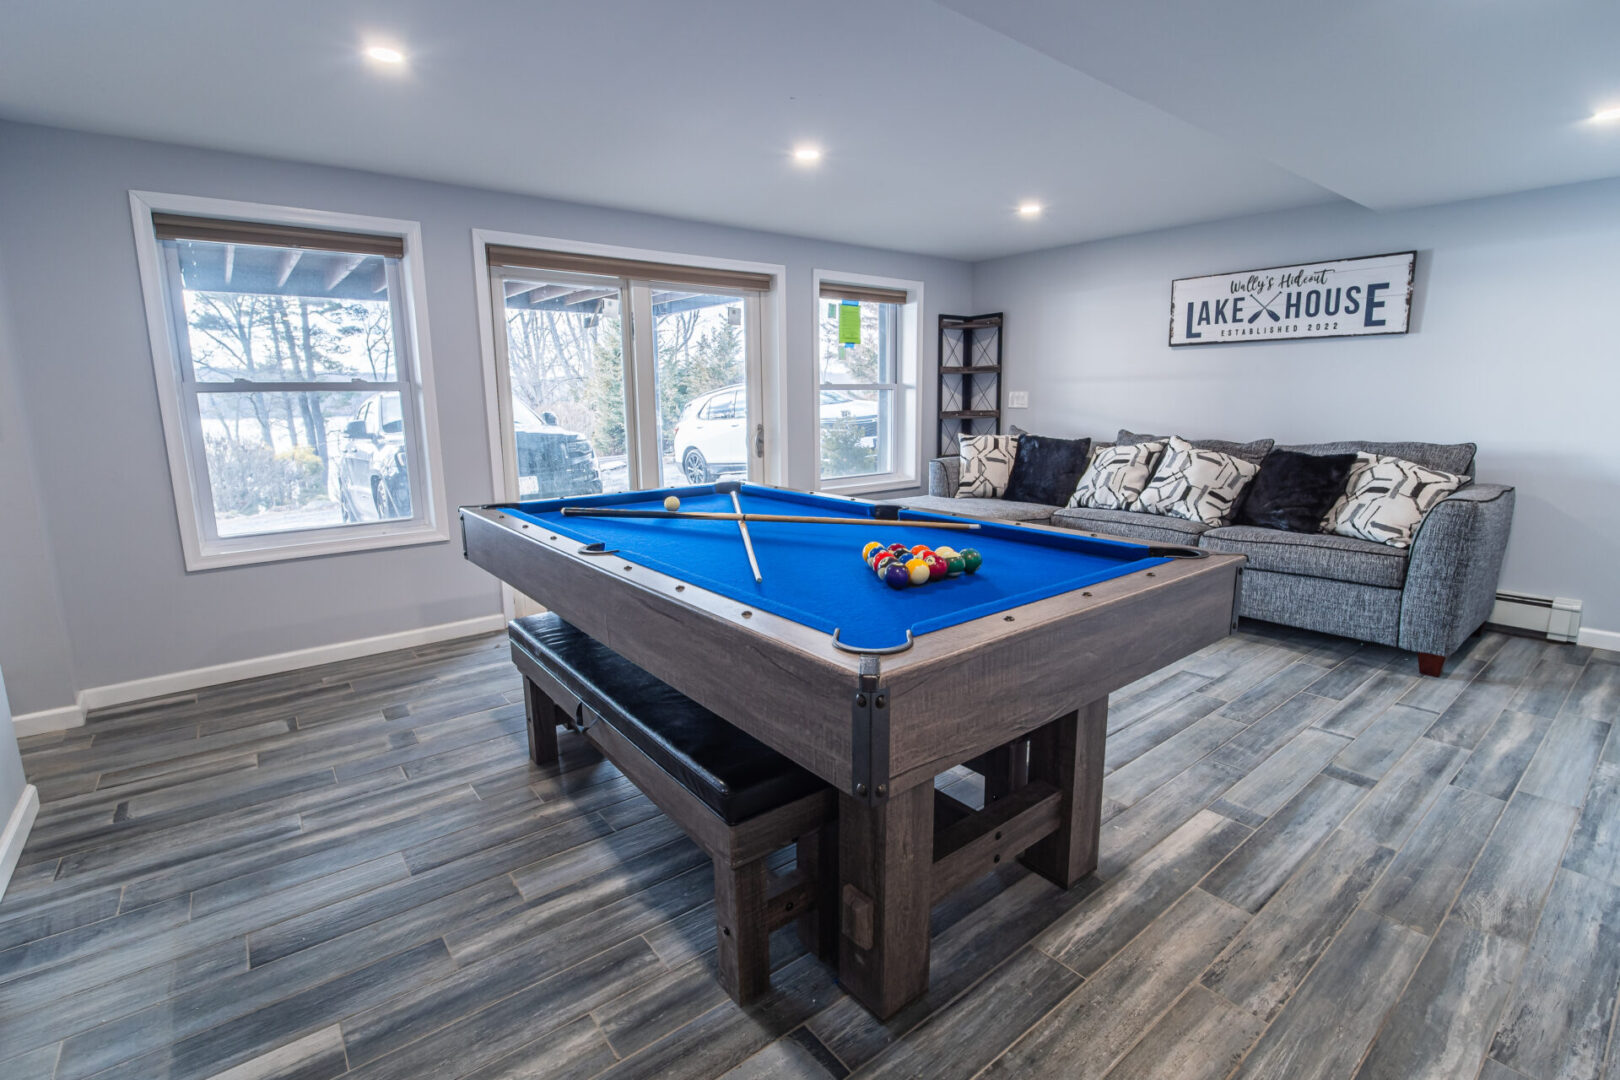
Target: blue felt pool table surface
{"x": 814, "y": 574}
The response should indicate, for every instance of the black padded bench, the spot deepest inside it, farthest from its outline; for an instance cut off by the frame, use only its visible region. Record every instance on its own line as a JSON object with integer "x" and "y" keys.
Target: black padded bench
{"x": 738, "y": 799}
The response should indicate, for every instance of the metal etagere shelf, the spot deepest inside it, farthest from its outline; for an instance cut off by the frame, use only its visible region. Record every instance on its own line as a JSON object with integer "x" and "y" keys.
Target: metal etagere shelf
{"x": 969, "y": 378}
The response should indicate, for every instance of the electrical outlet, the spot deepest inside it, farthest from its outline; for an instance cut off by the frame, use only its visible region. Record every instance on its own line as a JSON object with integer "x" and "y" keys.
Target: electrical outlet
{"x": 1018, "y": 399}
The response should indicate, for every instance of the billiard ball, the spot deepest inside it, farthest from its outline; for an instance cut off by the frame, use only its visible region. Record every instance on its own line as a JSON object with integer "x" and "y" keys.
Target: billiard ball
{"x": 899, "y": 549}
{"x": 918, "y": 569}
{"x": 671, "y": 503}
{"x": 897, "y": 576}
{"x": 971, "y": 560}
{"x": 871, "y": 546}
{"x": 936, "y": 566}
{"x": 919, "y": 549}
{"x": 955, "y": 565}
{"x": 944, "y": 552}
{"x": 882, "y": 563}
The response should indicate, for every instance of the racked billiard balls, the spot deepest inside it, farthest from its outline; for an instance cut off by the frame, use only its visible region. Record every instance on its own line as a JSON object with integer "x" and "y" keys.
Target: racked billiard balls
{"x": 896, "y": 576}
{"x": 971, "y": 560}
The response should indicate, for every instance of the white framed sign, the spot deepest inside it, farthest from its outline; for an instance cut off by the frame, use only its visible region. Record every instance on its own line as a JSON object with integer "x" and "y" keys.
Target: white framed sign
{"x": 1343, "y": 298}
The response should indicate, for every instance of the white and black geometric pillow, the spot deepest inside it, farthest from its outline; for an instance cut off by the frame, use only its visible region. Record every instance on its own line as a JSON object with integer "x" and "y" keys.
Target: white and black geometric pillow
{"x": 1116, "y": 476}
{"x": 1386, "y": 499}
{"x": 1198, "y": 485}
{"x": 987, "y": 462}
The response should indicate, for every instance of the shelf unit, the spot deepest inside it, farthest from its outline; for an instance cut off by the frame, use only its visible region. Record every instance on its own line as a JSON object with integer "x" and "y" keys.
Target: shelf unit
{"x": 969, "y": 378}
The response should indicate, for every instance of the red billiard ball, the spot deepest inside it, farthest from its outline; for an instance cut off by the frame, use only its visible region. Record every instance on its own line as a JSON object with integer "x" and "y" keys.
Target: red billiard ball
{"x": 936, "y": 566}
{"x": 896, "y": 576}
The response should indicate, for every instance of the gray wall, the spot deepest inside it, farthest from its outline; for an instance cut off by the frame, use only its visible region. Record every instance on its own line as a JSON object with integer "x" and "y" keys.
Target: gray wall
{"x": 129, "y": 607}
{"x": 11, "y": 770}
{"x": 1513, "y": 346}
{"x": 33, "y": 636}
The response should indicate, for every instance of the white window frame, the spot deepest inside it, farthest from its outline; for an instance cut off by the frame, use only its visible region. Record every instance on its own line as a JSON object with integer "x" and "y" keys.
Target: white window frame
{"x": 204, "y": 549}
{"x": 767, "y": 316}
{"x": 905, "y": 448}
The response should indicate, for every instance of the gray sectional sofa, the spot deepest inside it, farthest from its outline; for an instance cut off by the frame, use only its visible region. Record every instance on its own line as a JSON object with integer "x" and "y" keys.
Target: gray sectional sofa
{"x": 1426, "y": 599}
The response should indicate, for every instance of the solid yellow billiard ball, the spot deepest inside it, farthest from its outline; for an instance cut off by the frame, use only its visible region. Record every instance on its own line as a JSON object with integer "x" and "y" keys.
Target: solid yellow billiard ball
{"x": 671, "y": 503}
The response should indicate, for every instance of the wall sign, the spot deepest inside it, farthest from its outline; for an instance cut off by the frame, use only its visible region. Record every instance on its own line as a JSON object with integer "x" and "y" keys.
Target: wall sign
{"x": 1346, "y": 298}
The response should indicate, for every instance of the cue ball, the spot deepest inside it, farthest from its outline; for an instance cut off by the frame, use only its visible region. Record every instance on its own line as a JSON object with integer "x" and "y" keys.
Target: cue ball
{"x": 671, "y": 503}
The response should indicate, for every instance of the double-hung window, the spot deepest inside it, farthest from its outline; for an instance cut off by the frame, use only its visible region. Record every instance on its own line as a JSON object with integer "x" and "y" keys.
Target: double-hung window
{"x": 866, "y": 399}
{"x": 290, "y": 362}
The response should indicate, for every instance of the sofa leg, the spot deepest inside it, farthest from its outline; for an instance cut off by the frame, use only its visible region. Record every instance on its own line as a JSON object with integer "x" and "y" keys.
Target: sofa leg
{"x": 1431, "y": 664}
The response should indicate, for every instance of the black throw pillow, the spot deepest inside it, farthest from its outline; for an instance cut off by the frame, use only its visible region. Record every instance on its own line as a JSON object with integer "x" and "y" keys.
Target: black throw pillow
{"x": 1046, "y": 470}
{"x": 1294, "y": 490}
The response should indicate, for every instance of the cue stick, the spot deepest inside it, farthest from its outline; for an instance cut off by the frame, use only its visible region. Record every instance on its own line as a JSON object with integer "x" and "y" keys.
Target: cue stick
{"x": 748, "y": 541}
{"x": 705, "y": 515}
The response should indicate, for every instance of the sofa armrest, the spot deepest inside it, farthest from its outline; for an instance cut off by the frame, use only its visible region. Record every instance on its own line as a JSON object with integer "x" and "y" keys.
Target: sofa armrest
{"x": 1456, "y": 561}
{"x": 944, "y": 474}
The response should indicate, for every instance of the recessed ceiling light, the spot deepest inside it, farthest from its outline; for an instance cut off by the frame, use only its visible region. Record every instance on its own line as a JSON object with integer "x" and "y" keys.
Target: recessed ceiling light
{"x": 1029, "y": 208}
{"x": 384, "y": 55}
{"x": 1604, "y": 116}
{"x": 807, "y": 155}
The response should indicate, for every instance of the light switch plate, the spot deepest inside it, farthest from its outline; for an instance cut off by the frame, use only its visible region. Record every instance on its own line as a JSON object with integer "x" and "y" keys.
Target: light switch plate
{"x": 1018, "y": 399}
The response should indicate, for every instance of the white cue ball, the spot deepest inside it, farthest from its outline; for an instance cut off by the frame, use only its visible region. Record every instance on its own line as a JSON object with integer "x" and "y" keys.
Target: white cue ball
{"x": 671, "y": 503}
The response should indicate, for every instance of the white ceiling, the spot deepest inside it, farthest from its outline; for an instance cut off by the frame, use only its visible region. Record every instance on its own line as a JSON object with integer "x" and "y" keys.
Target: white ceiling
{"x": 1120, "y": 117}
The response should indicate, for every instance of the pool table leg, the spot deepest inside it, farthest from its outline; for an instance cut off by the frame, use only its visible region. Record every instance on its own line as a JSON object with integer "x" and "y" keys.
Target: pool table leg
{"x": 542, "y": 715}
{"x": 1068, "y": 753}
{"x": 885, "y": 864}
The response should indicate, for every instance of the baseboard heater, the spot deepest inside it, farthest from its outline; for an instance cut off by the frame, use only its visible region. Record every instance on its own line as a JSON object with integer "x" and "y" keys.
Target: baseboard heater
{"x": 1558, "y": 617}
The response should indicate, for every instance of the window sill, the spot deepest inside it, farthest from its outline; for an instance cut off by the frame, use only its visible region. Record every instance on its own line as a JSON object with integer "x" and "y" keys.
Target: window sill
{"x": 868, "y": 485}
{"x": 250, "y": 550}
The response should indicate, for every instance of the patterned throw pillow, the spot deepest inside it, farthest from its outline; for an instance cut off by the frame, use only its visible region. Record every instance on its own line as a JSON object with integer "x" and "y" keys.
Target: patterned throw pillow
{"x": 1386, "y": 499}
{"x": 987, "y": 462}
{"x": 1198, "y": 485}
{"x": 1116, "y": 476}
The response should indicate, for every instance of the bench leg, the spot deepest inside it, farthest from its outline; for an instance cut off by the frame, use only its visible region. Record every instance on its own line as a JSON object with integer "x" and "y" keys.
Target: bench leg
{"x": 542, "y": 724}
{"x": 817, "y": 855}
{"x": 1068, "y": 753}
{"x": 744, "y": 938}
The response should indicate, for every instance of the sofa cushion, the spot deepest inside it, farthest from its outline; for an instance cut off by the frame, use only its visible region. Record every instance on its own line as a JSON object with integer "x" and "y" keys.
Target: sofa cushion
{"x": 1341, "y": 558}
{"x": 1294, "y": 490}
{"x": 1252, "y": 452}
{"x": 1130, "y": 524}
{"x": 988, "y": 509}
{"x": 1198, "y": 485}
{"x": 1444, "y": 457}
{"x": 735, "y": 774}
{"x": 1115, "y": 478}
{"x": 987, "y": 462}
{"x": 1047, "y": 470}
{"x": 1386, "y": 499}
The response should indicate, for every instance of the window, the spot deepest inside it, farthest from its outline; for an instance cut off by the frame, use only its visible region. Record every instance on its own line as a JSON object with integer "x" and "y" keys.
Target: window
{"x": 645, "y": 369}
{"x": 293, "y": 392}
{"x": 866, "y": 401}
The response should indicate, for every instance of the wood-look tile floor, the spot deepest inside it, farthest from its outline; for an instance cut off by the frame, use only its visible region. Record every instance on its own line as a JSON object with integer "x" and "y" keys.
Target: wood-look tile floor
{"x": 1314, "y": 864}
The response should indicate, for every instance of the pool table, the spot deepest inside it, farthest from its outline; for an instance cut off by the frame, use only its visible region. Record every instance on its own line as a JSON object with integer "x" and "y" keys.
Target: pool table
{"x": 878, "y": 690}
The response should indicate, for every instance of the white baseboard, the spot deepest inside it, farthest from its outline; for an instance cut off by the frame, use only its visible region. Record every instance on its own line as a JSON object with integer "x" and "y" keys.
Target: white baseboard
{"x": 178, "y": 682}
{"x": 16, "y": 834}
{"x": 58, "y": 719}
{"x": 1600, "y": 639}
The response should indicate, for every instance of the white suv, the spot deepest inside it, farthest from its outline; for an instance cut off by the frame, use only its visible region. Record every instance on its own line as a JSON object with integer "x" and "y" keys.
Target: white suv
{"x": 711, "y": 437}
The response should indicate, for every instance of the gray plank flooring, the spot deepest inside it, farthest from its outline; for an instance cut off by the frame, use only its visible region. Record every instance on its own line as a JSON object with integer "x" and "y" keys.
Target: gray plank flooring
{"x": 1314, "y": 864}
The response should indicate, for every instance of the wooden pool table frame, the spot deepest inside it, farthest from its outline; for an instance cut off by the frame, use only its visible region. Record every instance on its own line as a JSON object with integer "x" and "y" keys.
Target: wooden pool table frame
{"x": 880, "y": 728}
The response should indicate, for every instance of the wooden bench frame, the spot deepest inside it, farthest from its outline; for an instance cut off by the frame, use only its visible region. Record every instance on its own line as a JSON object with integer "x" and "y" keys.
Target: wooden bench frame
{"x": 749, "y": 902}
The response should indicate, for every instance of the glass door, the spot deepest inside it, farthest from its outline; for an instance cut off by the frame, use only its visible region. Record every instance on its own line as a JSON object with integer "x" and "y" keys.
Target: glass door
{"x": 705, "y": 427}
{"x": 560, "y": 361}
